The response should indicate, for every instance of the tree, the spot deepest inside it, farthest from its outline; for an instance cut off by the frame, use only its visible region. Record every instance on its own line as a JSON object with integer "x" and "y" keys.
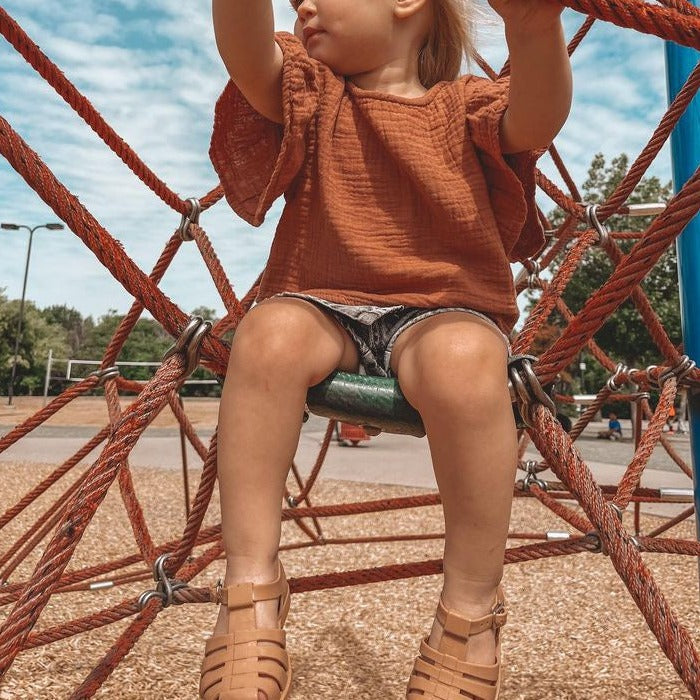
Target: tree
{"x": 624, "y": 337}
{"x": 147, "y": 342}
{"x": 77, "y": 328}
{"x": 205, "y": 312}
{"x": 64, "y": 330}
{"x": 38, "y": 335}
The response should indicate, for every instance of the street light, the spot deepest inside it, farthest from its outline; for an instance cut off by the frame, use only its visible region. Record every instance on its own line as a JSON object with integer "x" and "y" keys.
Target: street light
{"x": 17, "y": 227}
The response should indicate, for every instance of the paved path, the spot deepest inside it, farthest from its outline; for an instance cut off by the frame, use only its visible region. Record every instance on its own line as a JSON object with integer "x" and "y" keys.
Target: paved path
{"x": 398, "y": 459}
{"x": 387, "y": 459}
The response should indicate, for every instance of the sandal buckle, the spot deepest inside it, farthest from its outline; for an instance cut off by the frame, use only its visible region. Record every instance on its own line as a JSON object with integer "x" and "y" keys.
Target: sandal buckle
{"x": 216, "y": 592}
{"x": 498, "y": 609}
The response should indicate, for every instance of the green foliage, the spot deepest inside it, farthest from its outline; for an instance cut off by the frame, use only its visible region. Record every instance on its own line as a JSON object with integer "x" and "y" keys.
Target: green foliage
{"x": 38, "y": 334}
{"x": 77, "y": 328}
{"x": 6, "y": 332}
{"x": 64, "y": 331}
{"x": 624, "y": 337}
{"x": 205, "y": 312}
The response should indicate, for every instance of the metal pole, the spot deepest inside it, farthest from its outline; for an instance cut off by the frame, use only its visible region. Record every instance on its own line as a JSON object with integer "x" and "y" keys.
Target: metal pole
{"x": 685, "y": 148}
{"x": 183, "y": 450}
{"x": 21, "y": 314}
{"x": 47, "y": 378}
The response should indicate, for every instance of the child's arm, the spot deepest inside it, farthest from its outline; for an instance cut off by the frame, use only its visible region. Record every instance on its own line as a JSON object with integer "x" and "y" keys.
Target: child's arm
{"x": 244, "y": 32}
{"x": 541, "y": 83}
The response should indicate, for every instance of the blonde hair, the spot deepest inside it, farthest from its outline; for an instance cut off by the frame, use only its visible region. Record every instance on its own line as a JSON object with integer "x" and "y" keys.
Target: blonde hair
{"x": 450, "y": 39}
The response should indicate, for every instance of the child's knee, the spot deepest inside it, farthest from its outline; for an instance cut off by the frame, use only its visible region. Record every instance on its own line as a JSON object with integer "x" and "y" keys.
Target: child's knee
{"x": 283, "y": 340}
{"x": 265, "y": 341}
{"x": 457, "y": 381}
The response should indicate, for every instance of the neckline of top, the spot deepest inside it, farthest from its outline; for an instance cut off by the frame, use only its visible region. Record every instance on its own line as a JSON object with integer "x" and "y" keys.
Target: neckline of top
{"x": 423, "y": 99}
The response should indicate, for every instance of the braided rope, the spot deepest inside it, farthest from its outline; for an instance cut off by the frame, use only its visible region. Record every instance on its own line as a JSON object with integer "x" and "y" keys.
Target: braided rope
{"x": 70, "y": 514}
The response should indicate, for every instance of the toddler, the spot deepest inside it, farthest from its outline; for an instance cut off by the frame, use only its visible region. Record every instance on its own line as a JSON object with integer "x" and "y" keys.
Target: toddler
{"x": 408, "y": 190}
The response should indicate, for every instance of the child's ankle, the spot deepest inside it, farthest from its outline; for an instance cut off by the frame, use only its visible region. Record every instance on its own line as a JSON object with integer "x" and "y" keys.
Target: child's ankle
{"x": 242, "y": 569}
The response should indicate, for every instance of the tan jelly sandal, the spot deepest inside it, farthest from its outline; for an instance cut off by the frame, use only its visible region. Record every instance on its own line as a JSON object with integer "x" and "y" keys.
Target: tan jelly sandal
{"x": 443, "y": 673}
{"x": 246, "y": 660}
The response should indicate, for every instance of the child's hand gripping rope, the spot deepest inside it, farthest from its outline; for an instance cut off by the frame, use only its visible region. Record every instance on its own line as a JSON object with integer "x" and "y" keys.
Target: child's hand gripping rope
{"x": 528, "y": 15}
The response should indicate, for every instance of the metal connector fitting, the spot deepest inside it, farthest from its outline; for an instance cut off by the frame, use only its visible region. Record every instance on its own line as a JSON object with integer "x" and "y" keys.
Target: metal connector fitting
{"x": 189, "y": 343}
{"x": 191, "y": 218}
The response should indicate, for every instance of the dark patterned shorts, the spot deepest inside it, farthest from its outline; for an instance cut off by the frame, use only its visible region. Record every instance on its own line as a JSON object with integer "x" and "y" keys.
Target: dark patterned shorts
{"x": 374, "y": 329}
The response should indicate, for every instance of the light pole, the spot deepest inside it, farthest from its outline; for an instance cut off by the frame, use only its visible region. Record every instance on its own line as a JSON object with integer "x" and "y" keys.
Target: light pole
{"x": 16, "y": 227}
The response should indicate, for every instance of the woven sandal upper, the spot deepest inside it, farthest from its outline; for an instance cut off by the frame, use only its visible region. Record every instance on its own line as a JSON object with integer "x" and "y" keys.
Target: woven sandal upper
{"x": 446, "y": 675}
{"x": 248, "y": 659}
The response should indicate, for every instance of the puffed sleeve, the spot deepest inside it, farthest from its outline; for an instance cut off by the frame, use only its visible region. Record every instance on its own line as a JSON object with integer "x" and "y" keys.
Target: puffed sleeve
{"x": 257, "y": 159}
{"x": 510, "y": 177}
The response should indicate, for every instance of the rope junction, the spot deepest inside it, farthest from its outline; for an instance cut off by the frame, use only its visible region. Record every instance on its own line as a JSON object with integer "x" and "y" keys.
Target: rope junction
{"x": 596, "y": 527}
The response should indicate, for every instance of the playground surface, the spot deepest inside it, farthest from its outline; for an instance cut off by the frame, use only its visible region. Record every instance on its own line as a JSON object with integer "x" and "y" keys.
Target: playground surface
{"x": 573, "y": 631}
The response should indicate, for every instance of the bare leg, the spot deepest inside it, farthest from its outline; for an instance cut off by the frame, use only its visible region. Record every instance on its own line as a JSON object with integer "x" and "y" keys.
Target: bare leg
{"x": 281, "y": 347}
{"x": 453, "y": 370}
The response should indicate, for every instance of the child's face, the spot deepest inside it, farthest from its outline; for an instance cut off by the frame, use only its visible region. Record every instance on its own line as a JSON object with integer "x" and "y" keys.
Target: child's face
{"x": 352, "y": 37}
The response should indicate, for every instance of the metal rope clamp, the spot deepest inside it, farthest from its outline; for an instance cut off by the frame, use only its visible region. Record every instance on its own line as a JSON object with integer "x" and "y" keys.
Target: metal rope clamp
{"x": 191, "y": 218}
{"x": 684, "y": 367}
{"x": 105, "y": 374}
{"x": 165, "y": 587}
{"x": 641, "y": 393}
{"x": 525, "y": 388}
{"x": 189, "y": 343}
{"x": 612, "y": 383}
{"x": 533, "y": 267}
{"x": 594, "y": 535}
{"x": 532, "y": 469}
{"x": 594, "y": 222}
{"x": 641, "y": 378}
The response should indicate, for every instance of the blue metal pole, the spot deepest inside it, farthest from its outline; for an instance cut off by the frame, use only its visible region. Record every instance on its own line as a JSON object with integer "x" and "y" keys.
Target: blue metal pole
{"x": 685, "y": 148}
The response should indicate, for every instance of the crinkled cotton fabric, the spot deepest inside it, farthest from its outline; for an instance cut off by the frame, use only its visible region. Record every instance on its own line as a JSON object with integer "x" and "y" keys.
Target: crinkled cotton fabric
{"x": 388, "y": 200}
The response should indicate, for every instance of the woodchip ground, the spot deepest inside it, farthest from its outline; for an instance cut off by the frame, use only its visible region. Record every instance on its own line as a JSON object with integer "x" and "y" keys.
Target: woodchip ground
{"x": 573, "y": 631}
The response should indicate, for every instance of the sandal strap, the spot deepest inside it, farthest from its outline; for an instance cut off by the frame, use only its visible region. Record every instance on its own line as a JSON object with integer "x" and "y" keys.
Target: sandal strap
{"x": 446, "y": 687}
{"x": 441, "y": 674}
{"x": 463, "y": 627}
{"x": 485, "y": 672}
{"x": 239, "y": 664}
{"x": 241, "y": 595}
{"x": 236, "y": 640}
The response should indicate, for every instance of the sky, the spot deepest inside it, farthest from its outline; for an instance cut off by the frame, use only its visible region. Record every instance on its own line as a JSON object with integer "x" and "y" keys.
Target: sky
{"x": 152, "y": 70}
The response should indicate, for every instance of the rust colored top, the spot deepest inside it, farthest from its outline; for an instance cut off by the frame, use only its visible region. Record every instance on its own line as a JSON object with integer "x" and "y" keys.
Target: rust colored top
{"x": 388, "y": 199}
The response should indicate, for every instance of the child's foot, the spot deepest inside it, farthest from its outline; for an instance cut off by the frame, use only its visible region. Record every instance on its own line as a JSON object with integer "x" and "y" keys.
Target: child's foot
{"x": 481, "y": 648}
{"x": 266, "y": 611}
{"x": 461, "y": 656}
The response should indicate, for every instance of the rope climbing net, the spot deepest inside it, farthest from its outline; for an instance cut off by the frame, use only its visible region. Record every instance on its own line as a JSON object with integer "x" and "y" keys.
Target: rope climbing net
{"x": 598, "y": 522}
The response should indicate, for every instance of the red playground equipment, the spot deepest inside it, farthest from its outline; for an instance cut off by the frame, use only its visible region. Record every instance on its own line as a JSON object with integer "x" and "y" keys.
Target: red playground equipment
{"x": 347, "y": 433}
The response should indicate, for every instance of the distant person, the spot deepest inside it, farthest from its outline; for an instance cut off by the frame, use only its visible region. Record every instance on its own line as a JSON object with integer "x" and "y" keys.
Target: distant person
{"x": 682, "y": 418}
{"x": 671, "y": 418}
{"x": 614, "y": 431}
